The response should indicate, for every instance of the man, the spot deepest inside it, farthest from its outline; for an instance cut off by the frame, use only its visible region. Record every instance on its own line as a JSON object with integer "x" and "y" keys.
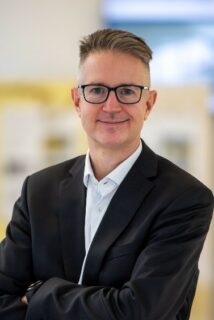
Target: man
{"x": 116, "y": 234}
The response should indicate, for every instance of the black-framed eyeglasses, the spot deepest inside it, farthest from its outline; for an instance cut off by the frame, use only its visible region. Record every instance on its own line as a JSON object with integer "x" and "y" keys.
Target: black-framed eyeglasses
{"x": 126, "y": 94}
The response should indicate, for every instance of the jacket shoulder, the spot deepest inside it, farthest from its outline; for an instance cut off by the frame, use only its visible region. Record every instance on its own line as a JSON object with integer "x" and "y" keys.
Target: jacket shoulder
{"x": 59, "y": 171}
{"x": 179, "y": 181}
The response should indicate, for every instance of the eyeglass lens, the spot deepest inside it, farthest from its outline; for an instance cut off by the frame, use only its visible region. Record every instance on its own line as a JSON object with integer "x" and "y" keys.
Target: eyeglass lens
{"x": 125, "y": 94}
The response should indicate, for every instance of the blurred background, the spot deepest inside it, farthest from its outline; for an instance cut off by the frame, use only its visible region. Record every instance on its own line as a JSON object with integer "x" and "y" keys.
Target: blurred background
{"x": 38, "y": 66}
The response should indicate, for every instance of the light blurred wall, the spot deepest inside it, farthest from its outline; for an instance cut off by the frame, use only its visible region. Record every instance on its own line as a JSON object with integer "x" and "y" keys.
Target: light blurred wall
{"x": 39, "y": 39}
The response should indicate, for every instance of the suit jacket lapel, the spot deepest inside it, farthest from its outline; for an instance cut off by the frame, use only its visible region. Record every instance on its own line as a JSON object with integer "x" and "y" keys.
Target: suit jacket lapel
{"x": 121, "y": 210}
{"x": 71, "y": 221}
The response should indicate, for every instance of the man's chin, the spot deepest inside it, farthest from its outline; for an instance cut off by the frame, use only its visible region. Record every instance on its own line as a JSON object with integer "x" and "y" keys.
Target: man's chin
{"x": 111, "y": 143}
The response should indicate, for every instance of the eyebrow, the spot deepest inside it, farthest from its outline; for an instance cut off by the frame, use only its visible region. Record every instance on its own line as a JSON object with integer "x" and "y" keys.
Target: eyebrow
{"x": 104, "y": 84}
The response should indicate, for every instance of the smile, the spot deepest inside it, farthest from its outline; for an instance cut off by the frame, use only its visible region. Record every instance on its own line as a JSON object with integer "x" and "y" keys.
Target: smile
{"x": 113, "y": 122}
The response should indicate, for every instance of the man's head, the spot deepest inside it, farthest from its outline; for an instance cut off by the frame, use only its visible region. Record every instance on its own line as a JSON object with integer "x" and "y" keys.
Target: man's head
{"x": 115, "y": 40}
{"x": 113, "y": 97}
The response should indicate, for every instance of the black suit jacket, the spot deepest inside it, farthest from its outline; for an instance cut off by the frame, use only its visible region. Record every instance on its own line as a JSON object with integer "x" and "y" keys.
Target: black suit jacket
{"x": 143, "y": 261}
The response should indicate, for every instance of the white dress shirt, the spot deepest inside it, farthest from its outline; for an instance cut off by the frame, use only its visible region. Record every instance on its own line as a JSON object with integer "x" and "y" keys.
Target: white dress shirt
{"x": 99, "y": 195}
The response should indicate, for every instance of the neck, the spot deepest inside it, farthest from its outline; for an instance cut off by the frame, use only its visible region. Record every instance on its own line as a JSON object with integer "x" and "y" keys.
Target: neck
{"x": 105, "y": 160}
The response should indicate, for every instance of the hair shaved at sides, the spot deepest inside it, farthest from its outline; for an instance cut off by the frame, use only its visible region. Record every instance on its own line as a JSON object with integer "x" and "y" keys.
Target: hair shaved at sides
{"x": 115, "y": 40}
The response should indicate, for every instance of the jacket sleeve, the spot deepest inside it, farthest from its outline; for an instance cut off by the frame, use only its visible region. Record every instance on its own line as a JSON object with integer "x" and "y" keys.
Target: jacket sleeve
{"x": 15, "y": 263}
{"x": 163, "y": 281}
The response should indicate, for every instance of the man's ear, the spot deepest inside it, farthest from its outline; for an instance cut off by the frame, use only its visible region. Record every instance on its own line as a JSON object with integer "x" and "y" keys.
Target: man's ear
{"x": 76, "y": 99}
{"x": 150, "y": 103}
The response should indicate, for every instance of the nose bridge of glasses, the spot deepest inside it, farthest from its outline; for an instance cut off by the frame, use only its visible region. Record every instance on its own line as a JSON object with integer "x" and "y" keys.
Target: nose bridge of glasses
{"x": 114, "y": 93}
{"x": 111, "y": 102}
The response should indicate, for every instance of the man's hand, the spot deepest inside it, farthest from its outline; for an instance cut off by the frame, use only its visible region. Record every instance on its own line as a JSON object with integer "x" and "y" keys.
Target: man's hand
{"x": 24, "y": 300}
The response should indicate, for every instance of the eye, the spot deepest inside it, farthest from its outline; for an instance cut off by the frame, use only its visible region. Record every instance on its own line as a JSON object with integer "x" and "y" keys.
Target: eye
{"x": 126, "y": 91}
{"x": 96, "y": 90}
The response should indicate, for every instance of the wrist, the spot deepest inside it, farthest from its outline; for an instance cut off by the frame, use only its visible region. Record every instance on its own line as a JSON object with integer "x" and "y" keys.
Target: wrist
{"x": 31, "y": 290}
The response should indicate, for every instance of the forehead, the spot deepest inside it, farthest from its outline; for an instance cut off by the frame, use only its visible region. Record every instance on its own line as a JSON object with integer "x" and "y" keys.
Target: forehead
{"x": 113, "y": 68}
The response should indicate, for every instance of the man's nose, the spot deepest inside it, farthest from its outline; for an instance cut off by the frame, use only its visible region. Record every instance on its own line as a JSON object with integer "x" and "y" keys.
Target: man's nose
{"x": 112, "y": 104}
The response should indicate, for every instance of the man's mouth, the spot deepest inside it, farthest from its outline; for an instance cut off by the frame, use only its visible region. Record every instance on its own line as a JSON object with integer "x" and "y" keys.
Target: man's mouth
{"x": 108, "y": 121}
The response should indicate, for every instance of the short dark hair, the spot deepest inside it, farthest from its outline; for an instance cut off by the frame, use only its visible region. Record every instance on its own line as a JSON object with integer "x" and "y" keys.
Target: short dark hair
{"x": 115, "y": 40}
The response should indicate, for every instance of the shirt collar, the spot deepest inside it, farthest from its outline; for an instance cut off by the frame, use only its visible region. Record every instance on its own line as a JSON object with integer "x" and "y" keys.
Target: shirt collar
{"x": 88, "y": 171}
{"x": 118, "y": 174}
